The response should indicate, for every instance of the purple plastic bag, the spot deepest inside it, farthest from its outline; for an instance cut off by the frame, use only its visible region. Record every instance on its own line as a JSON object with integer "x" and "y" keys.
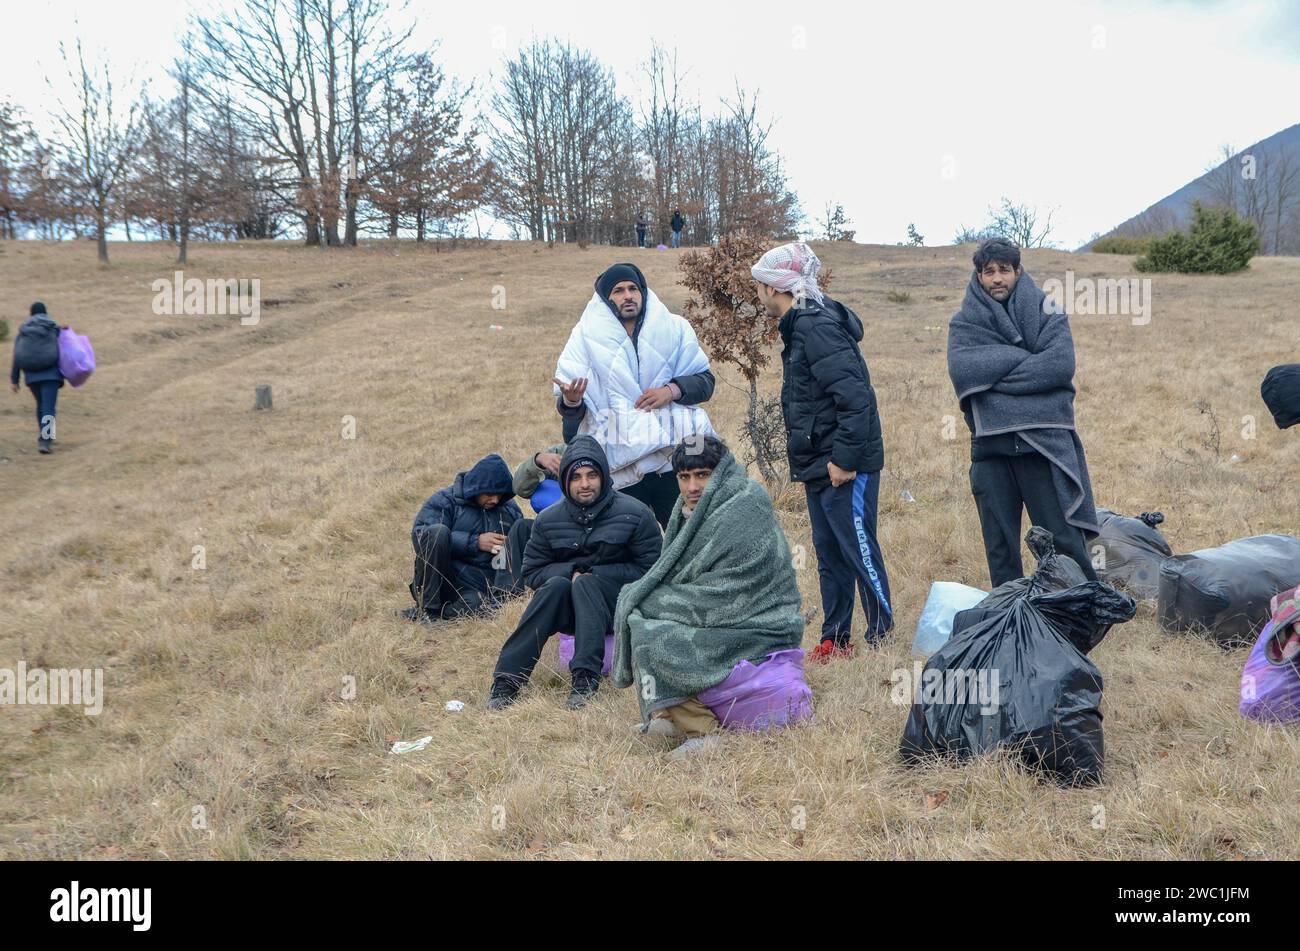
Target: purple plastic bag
{"x": 76, "y": 357}
{"x": 772, "y": 694}
{"x": 1270, "y": 691}
{"x": 566, "y": 653}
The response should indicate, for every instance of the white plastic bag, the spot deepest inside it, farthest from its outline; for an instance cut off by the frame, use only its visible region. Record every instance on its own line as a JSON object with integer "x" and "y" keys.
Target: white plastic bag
{"x": 935, "y": 626}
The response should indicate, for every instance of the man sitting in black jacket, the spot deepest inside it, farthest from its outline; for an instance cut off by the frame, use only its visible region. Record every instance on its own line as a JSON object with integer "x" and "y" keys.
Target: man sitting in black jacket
{"x": 833, "y": 442}
{"x": 462, "y": 546}
{"x": 581, "y": 552}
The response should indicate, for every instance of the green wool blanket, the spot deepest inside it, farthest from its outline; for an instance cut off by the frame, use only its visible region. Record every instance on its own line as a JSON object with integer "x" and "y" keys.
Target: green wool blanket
{"x": 723, "y": 591}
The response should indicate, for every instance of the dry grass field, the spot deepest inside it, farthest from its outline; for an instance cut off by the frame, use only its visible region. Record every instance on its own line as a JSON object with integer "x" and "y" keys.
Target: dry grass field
{"x": 226, "y": 733}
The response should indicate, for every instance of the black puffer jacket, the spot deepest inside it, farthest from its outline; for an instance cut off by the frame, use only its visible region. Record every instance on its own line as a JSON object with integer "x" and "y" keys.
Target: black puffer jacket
{"x": 826, "y": 395}
{"x": 615, "y": 537}
{"x": 455, "y": 507}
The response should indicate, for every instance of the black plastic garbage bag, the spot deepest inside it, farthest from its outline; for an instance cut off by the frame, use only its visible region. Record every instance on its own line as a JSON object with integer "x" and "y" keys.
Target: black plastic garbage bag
{"x": 1132, "y": 551}
{"x": 1281, "y": 393}
{"x": 1055, "y": 573}
{"x": 1014, "y": 679}
{"x": 1225, "y": 591}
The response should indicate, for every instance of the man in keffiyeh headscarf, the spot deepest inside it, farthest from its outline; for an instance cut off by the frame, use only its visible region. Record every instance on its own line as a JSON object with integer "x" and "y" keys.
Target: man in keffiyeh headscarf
{"x": 833, "y": 443}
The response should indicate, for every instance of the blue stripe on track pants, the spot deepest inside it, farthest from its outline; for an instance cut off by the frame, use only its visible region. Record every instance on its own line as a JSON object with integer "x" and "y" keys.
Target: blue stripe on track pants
{"x": 849, "y": 557}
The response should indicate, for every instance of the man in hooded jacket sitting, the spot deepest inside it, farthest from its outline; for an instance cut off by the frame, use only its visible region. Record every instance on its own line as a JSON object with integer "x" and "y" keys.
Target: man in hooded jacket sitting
{"x": 461, "y": 537}
{"x": 581, "y": 553}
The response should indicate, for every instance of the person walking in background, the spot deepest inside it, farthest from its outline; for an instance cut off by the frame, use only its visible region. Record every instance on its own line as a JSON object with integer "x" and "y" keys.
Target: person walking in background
{"x": 1011, "y": 360}
{"x": 834, "y": 442}
{"x": 642, "y": 223}
{"x": 678, "y": 223}
{"x": 36, "y": 354}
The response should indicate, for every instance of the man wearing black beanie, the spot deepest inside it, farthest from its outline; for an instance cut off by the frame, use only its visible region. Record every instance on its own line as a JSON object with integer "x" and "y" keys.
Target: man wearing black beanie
{"x": 580, "y": 554}
{"x": 634, "y": 383}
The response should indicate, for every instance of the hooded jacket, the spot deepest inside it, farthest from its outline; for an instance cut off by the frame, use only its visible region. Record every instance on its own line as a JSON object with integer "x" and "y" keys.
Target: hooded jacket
{"x": 615, "y": 537}
{"x": 826, "y": 394}
{"x": 455, "y": 508}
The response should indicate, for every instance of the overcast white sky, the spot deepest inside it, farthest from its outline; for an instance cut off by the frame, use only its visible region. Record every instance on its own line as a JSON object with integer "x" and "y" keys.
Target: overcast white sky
{"x": 1094, "y": 108}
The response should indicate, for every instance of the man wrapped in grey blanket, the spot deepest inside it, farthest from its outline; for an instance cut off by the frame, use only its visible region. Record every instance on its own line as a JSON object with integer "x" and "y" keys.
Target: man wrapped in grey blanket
{"x": 1011, "y": 360}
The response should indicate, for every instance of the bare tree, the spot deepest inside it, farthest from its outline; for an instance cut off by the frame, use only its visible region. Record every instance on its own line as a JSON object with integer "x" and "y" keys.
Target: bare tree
{"x": 304, "y": 72}
{"x": 559, "y": 142}
{"x": 662, "y": 125}
{"x": 18, "y": 146}
{"x": 1282, "y": 181}
{"x": 1021, "y": 224}
{"x": 99, "y": 136}
{"x": 1220, "y": 187}
{"x": 424, "y": 170}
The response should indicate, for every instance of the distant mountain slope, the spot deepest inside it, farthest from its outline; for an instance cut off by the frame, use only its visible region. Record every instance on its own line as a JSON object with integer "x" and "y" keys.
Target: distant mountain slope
{"x": 1271, "y": 198}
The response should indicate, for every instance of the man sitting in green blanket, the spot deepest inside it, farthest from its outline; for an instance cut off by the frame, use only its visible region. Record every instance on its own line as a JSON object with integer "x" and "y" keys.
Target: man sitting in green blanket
{"x": 723, "y": 591}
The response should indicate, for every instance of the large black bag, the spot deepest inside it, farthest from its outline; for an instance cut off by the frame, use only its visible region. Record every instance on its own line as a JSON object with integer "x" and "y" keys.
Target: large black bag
{"x": 1281, "y": 392}
{"x": 1225, "y": 591}
{"x": 1132, "y": 551}
{"x": 1045, "y": 694}
{"x": 1055, "y": 572}
{"x": 37, "y": 344}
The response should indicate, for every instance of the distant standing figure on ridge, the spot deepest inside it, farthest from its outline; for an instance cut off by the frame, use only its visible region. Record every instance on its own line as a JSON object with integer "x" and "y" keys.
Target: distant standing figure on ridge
{"x": 678, "y": 223}
{"x": 642, "y": 223}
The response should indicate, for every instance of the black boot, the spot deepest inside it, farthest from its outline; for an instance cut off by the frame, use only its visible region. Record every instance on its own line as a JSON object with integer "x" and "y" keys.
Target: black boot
{"x": 43, "y": 445}
{"x": 585, "y": 685}
{"x": 503, "y": 694}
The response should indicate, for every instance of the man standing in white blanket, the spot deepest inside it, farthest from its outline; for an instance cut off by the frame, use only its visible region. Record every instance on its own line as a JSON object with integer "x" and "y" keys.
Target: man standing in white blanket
{"x": 632, "y": 375}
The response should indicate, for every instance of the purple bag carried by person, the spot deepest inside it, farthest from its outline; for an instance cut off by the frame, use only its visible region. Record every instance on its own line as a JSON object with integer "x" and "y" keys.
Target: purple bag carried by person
{"x": 76, "y": 357}
{"x": 566, "y": 653}
{"x": 1270, "y": 683}
{"x": 772, "y": 693}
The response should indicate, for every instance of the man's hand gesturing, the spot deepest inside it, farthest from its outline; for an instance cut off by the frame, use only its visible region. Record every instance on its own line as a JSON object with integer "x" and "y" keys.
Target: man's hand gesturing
{"x": 572, "y": 391}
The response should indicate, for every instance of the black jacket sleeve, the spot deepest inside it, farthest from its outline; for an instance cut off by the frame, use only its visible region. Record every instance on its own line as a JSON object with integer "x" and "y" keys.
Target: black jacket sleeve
{"x": 836, "y": 363}
{"x": 696, "y": 388}
{"x": 13, "y": 372}
{"x": 539, "y": 564}
{"x": 571, "y": 417}
{"x": 643, "y": 551}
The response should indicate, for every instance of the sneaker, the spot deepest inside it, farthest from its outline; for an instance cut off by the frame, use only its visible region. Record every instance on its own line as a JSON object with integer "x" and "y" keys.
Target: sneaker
{"x": 695, "y": 746}
{"x": 828, "y": 650}
{"x": 503, "y": 694}
{"x": 585, "y": 686}
{"x": 661, "y": 727}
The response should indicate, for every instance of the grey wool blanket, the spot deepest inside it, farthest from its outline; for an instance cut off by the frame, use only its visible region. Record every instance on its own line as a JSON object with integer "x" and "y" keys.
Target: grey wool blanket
{"x": 1014, "y": 367}
{"x": 723, "y": 591}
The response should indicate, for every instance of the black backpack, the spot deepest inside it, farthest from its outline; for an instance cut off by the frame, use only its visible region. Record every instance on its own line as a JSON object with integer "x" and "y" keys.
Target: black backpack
{"x": 37, "y": 344}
